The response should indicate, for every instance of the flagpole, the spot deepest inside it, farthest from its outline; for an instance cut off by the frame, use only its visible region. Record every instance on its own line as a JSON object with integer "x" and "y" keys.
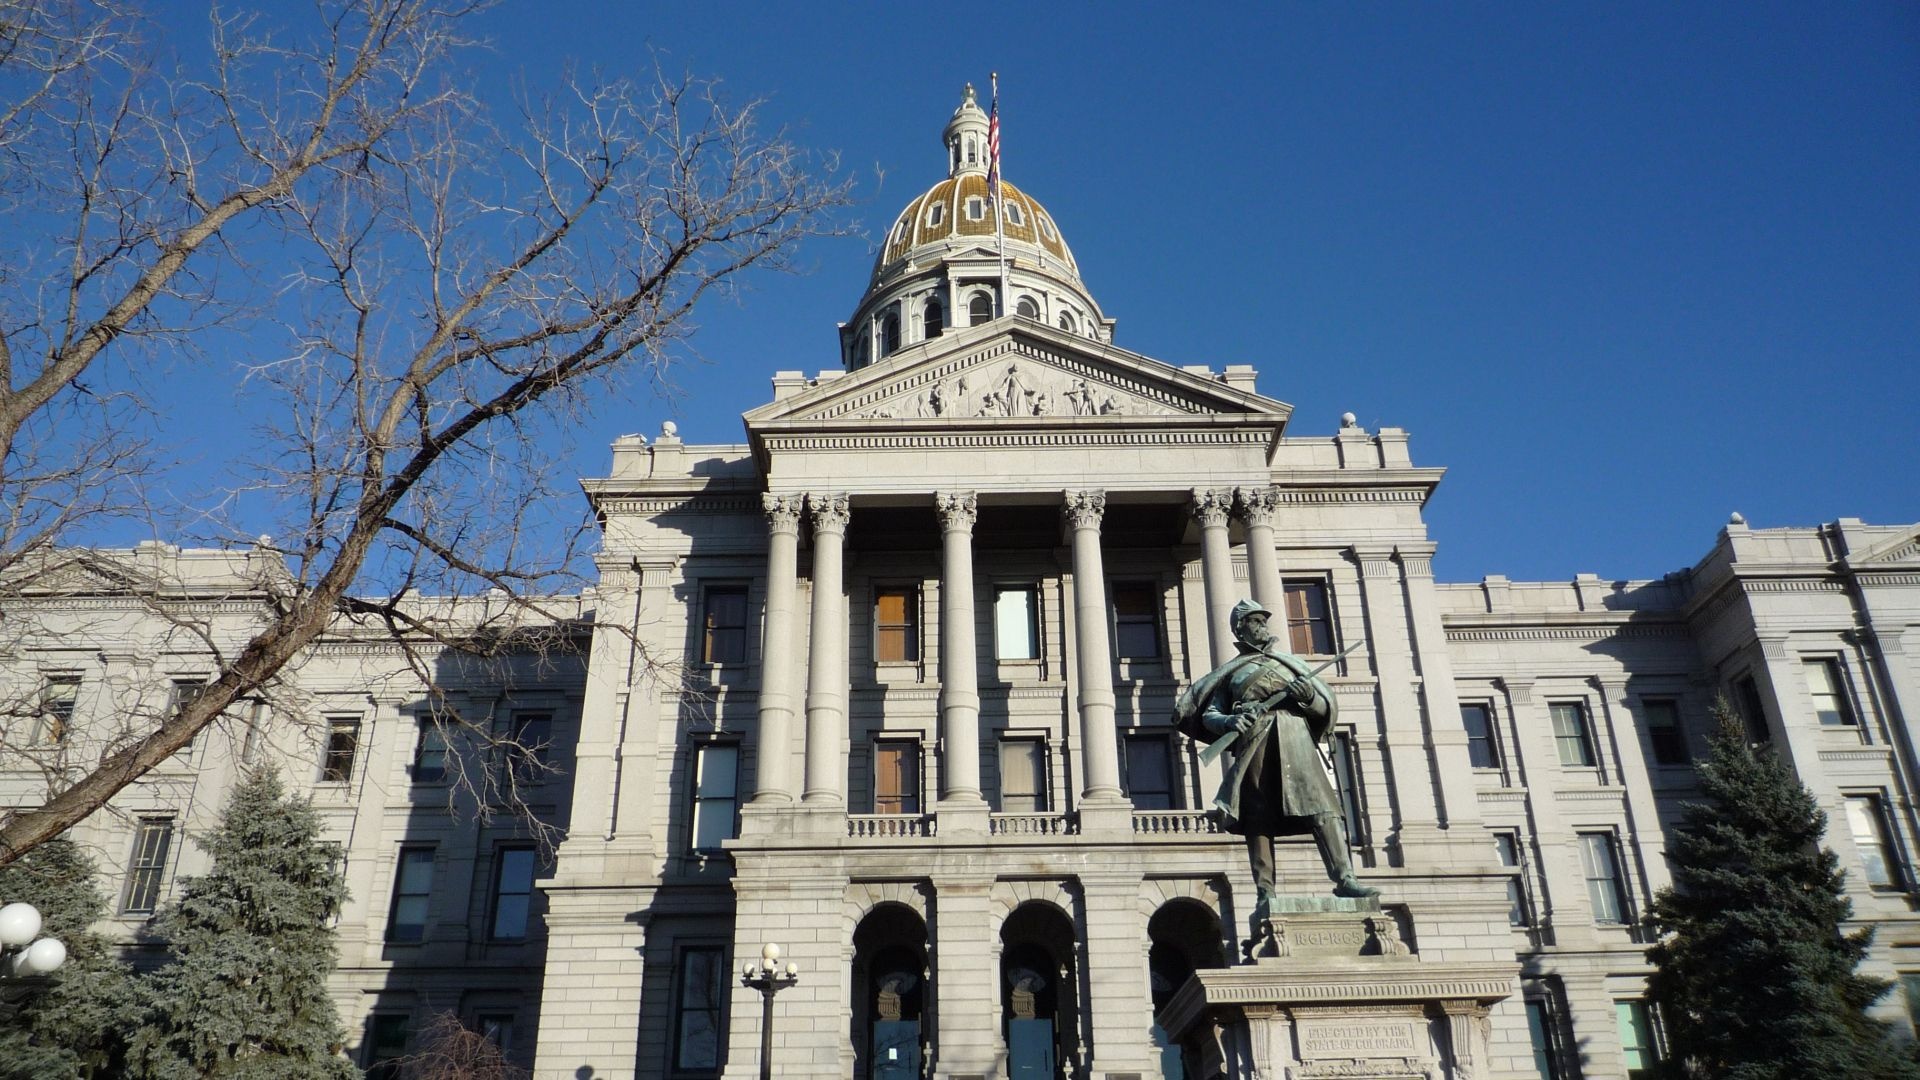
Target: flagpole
{"x": 999, "y": 212}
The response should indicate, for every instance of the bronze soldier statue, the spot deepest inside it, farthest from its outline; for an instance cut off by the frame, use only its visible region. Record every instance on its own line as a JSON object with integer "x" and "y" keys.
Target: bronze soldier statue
{"x": 1277, "y": 713}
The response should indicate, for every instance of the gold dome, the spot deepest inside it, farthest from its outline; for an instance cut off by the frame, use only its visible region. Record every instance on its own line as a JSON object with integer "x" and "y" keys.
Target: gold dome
{"x": 957, "y": 208}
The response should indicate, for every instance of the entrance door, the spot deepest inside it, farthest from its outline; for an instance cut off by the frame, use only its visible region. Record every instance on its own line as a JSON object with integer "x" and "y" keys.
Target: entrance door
{"x": 1030, "y": 1050}
{"x": 896, "y": 1050}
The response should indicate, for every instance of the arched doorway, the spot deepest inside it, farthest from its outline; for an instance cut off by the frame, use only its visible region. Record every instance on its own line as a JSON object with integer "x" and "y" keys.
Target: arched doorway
{"x": 1039, "y": 995}
{"x": 1182, "y": 937}
{"x": 889, "y": 994}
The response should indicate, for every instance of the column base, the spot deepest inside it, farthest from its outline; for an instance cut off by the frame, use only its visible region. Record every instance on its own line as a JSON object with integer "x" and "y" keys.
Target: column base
{"x": 959, "y": 815}
{"x": 1109, "y": 815}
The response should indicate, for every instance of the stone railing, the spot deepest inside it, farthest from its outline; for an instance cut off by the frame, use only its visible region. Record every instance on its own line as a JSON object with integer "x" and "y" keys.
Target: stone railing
{"x": 1029, "y": 825}
{"x": 1175, "y": 822}
{"x": 888, "y": 826}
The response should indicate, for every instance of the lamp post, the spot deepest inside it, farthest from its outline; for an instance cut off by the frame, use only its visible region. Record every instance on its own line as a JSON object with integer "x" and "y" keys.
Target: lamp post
{"x": 23, "y": 960}
{"x": 768, "y": 978}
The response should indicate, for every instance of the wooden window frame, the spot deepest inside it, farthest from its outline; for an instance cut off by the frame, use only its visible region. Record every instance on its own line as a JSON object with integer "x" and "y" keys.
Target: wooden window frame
{"x": 909, "y": 627}
{"x": 147, "y": 865}
{"x": 712, "y": 631}
{"x": 1302, "y": 640}
{"x": 699, "y": 799}
{"x": 893, "y": 804}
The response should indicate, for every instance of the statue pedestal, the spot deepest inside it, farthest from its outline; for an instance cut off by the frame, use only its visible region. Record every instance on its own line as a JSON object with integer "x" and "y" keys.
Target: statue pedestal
{"x": 1335, "y": 992}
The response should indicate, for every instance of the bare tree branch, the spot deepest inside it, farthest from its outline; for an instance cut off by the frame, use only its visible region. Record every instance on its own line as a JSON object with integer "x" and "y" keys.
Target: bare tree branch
{"x": 424, "y": 295}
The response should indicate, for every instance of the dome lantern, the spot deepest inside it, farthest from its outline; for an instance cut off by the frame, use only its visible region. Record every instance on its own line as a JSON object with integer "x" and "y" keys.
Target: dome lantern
{"x": 966, "y": 137}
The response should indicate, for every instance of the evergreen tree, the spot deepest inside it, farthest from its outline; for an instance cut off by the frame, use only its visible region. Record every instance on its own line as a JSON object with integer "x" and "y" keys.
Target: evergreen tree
{"x": 71, "y": 1027}
{"x": 246, "y": 995}
{"x": 1755, "y": 977}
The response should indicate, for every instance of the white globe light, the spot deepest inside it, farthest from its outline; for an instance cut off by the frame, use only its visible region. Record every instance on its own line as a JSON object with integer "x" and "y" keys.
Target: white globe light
{"x": 19, "y": 924}
{"x": 748, "y": 970}
{"x": 793, "y": 970}
{"x": 42, "y": 957}
{"x": 771, "y": 954}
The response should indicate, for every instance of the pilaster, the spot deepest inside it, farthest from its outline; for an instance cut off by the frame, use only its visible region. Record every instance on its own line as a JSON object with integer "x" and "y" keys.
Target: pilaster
{"x": 1400, "y": 707}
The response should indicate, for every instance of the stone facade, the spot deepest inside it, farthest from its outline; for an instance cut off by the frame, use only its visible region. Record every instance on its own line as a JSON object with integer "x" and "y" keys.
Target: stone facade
{"x": 890, "y": 684}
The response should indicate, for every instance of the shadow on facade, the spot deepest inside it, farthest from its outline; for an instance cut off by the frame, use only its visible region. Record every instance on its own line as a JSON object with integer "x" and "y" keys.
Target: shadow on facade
{"x": 484, "y": 795}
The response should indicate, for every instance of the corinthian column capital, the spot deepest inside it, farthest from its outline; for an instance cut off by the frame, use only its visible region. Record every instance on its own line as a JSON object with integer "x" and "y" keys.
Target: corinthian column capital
{"x": 957, "y": 509}
{"x": 1257, "y": 504}
{"x": 1084, "y": 509}
{"x": 1211, "y": 506}
{"x": 783, "y": 511}
{"x": 829, "y": 511}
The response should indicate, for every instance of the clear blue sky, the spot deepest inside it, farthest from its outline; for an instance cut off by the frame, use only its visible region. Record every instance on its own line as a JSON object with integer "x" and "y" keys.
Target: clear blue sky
{"x": 1621, "y": 268}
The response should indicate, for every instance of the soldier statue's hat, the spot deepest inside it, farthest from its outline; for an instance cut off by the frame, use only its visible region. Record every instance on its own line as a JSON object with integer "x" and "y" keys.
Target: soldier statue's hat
{"x": 1243, "y": 609}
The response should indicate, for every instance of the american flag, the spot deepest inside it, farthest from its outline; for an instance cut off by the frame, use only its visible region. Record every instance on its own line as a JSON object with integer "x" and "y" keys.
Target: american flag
{"x": 993, "y": 143}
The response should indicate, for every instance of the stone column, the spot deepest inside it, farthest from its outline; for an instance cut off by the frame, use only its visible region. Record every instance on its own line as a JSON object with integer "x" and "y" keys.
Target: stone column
{"x": 1211, "y": 508}
{"x": 1257, "y": 507}
{"x": 774, "y": 755}
{"x": 1093, "y": 651}
{"x": 959, "y": 666}
{"x": 827, "y": 655}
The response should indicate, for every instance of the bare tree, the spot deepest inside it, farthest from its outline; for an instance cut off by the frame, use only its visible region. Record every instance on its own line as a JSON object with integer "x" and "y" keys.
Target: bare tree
{"x": 423, "y": 292}
{"x": 450, "y": 1050}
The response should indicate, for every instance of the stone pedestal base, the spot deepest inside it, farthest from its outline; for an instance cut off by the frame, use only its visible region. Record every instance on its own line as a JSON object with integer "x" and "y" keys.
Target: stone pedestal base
{"x": 1334, "y": 991}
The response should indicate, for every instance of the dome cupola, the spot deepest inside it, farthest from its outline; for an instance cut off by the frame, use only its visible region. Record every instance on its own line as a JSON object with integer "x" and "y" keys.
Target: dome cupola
{"x": 952, "y": 252}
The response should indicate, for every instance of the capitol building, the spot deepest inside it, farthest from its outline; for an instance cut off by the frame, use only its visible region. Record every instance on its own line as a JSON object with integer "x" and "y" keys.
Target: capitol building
{"x": 890, "y": 683}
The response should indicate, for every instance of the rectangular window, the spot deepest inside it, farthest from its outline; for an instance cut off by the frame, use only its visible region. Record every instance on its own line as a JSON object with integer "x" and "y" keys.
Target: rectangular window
{"x": 1023, "y": 776}
{"x": 701, "y": 986}
{"x": 1309, "y": 619}
{"x": 526, "y": 753}
{"x": 412, "y": 888}
{"x": 1150, "y": 772}
{"x": 1637, "y": 1047}
{"x": 716, "y": 795}
{"x": 183, "y": 693}
{"x": 1602, "y": 868}
{"x": 496, "y": 1028}
{"x": 1868, "y": 824}
{"x": 1136, "y": 621}
{"x": 1664, "y": 731}
{"x": 343, "y": 744}
{"x": 896, "y": 625}
{"x": 726, "y": 625}
{"x": 147, "y": 870}
{"x": 1540, "y": 1027}
{"x": 57, "y": 697}
{"x": 429, "y": 752}
{"x": 1746, "y": 696}
{"x": 387, "y": 1034}
{"x": 1829, "y": 693}
{"x": 512, "y": 893}
{"x": 1346, "y": 777}
{"x": 1481, "y": 748}
{"x": 1508, "y": 845}
{"x": 1570, "y": 733}
{"x": 896, "y": 777}
{"x": 1016, "y": 624}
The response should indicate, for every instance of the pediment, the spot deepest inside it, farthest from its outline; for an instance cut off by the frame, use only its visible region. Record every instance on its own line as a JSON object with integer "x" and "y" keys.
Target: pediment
{"x": 1903, "y": 548}
{"x": 1016, "y": 375}
{"x": 68, "y": 571}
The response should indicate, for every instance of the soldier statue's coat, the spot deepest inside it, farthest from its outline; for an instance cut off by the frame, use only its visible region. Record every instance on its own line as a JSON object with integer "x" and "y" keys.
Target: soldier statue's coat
{"x": 1277, "y": 782}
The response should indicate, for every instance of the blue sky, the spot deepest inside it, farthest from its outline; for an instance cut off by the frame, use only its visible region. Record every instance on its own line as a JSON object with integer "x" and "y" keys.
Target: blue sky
{"x": 1621, "y": 268}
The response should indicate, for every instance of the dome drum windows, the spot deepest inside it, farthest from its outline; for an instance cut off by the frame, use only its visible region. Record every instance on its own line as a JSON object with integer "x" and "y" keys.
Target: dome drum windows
{"x": 890, "y": 334}
{"x": 979, "y": 309}
{"x": 1027, "y": 309}
{"x": 1066, "y": 321}
{"x": 932, "y": 319}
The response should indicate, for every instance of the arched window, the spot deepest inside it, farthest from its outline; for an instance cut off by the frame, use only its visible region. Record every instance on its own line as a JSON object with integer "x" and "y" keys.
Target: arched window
{"x": 932, "y": 320}
{"x": 1026, "y": 308}
{"x": 890, "y": 334}
{"x": 979, "y": 309}
{"x": 973, "y": 156}
{"x": 1066, "y": 320}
